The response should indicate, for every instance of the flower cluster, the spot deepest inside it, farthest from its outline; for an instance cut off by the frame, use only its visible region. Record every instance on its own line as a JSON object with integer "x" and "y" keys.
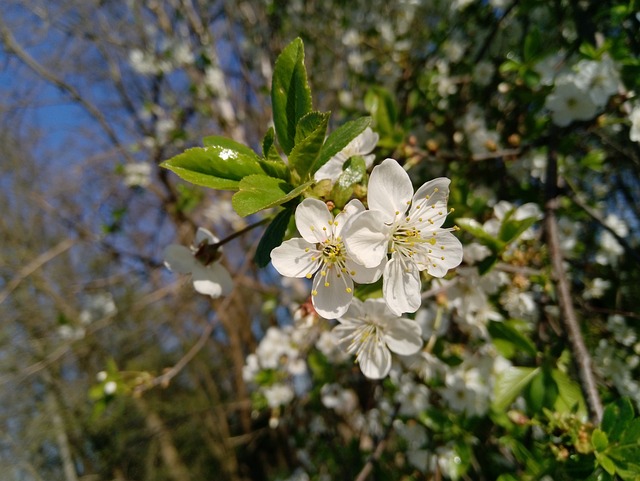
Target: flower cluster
{"x": 399, "y": 236}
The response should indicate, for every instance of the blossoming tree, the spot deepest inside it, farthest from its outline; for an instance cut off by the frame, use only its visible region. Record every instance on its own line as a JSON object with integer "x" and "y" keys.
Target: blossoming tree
{"x": 425, "y": 270}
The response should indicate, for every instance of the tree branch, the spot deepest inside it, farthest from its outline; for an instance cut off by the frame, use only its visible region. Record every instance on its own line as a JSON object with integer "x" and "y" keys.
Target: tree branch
{"x": 569, "y": 319}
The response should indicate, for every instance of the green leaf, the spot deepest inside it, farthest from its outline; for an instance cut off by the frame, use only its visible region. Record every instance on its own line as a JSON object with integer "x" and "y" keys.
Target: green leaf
{"x": 510, "y": 383}
{"x": 606, "y": 463}
{"x": 532, "y": 45}
{"x": 218, "y": 165}
{"x": 535, "y": 393}
{"x": 272, "y": 237}
{"x": 507, "y": 332}
{"x": 258, "y": 192}
{"x": 290, "y": 93}
{"x": 615, "y": 418}
{"x": 310, "y": 136}
{"x": 354, "y": 171}
{"x": 632, "y": 433}
{"x": 339, "y": 139}
{"x": 272, "y": 163}
{"x": 511, "y": 229}
{"x": 379, "y": 102}
{"x": 599, "y": 440}
{"x": 475, "y": 228}
{"x": 570, "y": 399}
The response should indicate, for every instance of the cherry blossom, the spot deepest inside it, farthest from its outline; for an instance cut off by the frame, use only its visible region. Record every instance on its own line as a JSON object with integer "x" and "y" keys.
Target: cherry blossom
{"x": 321, "y": 251}
{"x": 413, "y": 238}
{"x": 371, "y": 331}
{"x": 213, "y": 279}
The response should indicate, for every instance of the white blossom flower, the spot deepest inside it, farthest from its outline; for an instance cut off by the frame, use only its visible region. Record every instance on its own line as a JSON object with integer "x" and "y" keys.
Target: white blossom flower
{"x": 321, "y": 250}
{"x": 137, "y": 175}
{"x": 362, "y": 146}
{"x": 568, "y": 102}
{"x": 599, "y": 78}
{"x": 278, "y": 395}
{"x": 371, "y": 331}
{"x": 212, "y": 279}
{"x": 414, "y": 239}
{"x": 110, "y": 388}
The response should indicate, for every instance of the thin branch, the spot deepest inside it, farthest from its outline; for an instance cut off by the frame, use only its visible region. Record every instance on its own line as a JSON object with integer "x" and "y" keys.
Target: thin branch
{"x": 34, "y": 265}
{"x": 14, "y": 47}
{"x": 377, "y": 453}
{"x": 569, "y": 319}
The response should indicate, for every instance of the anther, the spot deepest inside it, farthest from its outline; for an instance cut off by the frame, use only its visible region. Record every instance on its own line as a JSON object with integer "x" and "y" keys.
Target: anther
{"x": 308, "y": 276}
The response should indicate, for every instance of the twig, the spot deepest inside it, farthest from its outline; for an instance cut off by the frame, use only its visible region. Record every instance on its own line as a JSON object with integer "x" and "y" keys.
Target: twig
{"x": 579, "y": 350}
{"x": 382, "y": 444}
{"x": 34, "y": 265}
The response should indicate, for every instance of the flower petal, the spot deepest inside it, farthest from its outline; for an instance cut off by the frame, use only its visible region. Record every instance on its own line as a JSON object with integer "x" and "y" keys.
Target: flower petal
{"x": 362, "y": 274}
{"x": 213, "y": 280}
{"x": 375, "y": 360}
{"x": 366, "y": 238}
{"x": 332, "y": 293}
{"x": 403, "y": 336}
{"x": 331, "y": 170}
{"x": 350, "y": 210}
{"x": 430, "y": 203}
{"x": 389, "y": 189}
{"x": 445, "y": 254}
{"x": 401, "y": 285}
{"x": 313, "y": 220}
{"x": 295, "y": 258}
{"x": 179, "y": 259}
{"x": 203, "y": 234}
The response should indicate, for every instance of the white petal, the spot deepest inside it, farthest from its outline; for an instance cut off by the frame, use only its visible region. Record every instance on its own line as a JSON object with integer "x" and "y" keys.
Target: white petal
{"x": 445, "y": 254}
{"x": 368, "y": 140}
{"x": 366, "y": 238}
{"x": 430, "y": 203}
{"x": 354, "y": 314}
{"x": 295, "y": 258}
{"x": 389, "y": 189}
{"x": 179, "y": 259}
{"x": 213, "y": 280}
{"x": 331, "y": 170}
{"x": 349, "y": 211}
{"x": 313, "y": 220}
{"x": 403, "y": 336}
{"x": 331, "y": 295}
{"x": 401, "y": 285}
{"x": 204, "y": 234}
{"x": 375, "y": 360}
{"x": 362, "y": 274}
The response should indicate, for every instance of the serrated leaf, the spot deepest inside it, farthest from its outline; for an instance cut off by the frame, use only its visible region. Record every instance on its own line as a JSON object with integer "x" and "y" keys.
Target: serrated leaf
{"x": 339, "y": 139}
{"x": 510, "y": 383}
{"x": 309, "y": 139}
{"x": 272, "y": 237}
{"x": 268, "y": 142}
{"x": 258, "y": 192}
{"x": 217, "y": 166}
{"x": 569, "y": 394}
{"x": 290, "y": 93}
